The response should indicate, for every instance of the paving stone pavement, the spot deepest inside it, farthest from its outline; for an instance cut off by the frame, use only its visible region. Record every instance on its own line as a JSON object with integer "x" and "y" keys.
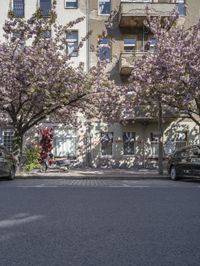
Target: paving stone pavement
{"x": 94, "y": 183}
{"x": 115, "y": 174}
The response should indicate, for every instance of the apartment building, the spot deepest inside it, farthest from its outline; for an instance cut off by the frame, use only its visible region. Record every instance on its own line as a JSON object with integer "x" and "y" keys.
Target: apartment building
{"x": 133, "y": 141}
{"x": 65, "y": 137}
{"x": 67, "y": 10}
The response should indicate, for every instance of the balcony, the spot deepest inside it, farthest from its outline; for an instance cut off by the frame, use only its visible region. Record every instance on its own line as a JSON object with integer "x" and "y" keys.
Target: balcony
{"x": 142, "y": 114}
{"x": 127, "y": 60}
{"x": 138, "y": 114}
{"x": 132, "y": 14}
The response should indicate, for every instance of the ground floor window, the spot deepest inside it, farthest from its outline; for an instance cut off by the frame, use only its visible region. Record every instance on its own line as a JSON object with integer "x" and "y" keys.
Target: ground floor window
{"x": 129, "y": 143}
{"x": 7, "y": 138}
{"x": 64, "y": 142}
{"x": 106, "y": 143}
{"x": 180, "y": 140}
{"x": 154, "y": 144}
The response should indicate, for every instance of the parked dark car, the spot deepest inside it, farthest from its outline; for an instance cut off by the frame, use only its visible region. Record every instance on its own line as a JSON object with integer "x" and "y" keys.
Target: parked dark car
{"x": 185, "y": 162}
{"x": 7, "y": 164}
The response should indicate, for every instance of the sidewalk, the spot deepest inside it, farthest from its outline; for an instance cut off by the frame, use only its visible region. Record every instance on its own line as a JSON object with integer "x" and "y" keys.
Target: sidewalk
{"x": 95, "y": 174}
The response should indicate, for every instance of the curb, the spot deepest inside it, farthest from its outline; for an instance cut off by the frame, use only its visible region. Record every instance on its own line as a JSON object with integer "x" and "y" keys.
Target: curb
{"x": 91, "y": 178}
{"x": 98, "y": 175}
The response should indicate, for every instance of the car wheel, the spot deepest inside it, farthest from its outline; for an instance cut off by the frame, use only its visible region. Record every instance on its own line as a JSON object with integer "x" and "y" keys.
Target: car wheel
{"x": 173, "y": 173}
{"x": 12, "y": 173}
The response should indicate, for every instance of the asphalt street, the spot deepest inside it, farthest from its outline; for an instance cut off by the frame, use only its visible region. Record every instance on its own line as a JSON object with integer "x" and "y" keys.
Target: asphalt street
{"x": 99, "y": 222}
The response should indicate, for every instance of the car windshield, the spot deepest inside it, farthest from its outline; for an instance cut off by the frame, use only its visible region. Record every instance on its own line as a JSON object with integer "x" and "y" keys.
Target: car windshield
{"x": 181, "y": 153}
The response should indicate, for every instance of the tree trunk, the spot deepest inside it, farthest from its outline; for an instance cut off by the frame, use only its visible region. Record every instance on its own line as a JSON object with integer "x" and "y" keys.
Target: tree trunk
{"x": 17, "y": 148}
{"x": 88, "y": 146}
{"x": 160, "y": 141}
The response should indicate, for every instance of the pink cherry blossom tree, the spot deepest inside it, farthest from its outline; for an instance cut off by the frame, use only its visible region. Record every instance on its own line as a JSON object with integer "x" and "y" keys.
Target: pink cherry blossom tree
{"x": 174, "y": 68}
{"x": 37, "y": 79}
{"x": 169, "y": 76}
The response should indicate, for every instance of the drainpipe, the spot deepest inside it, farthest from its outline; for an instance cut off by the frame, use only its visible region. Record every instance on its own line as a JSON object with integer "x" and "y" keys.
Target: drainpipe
{"x": 143, "y": 37}
{"x": 88, "y": 41}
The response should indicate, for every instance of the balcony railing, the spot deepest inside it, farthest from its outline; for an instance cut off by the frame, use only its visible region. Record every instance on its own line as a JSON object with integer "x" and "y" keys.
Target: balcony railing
{"x": 142, "y": 114}
{"x": 127, "y": 60}
{"x": 132, "y": 14}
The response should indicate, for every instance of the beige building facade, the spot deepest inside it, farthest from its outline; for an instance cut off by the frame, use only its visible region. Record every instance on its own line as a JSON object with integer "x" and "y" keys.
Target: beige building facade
{"x": 133, "y": 141}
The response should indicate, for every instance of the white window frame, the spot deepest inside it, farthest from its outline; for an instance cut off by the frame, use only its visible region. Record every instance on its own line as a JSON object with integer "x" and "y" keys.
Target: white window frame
{"x": 154, "y": 144}
{"x": 50, "y": 7}
{"x": 99, "y": 12}
{"x": 107, "y": 46}
{"x": 101, "y": 140}
{"x": 181, "y": 139}
{"x": 17, "y": 36}
{"x": 62, "y": 135}
{"x": 72, "y": 41}
{"x": 152, "y": 45}
{"x": 137, "y": 1}
{"x": 23, "y": 9}
{"x": 183, "y": 3}
{"x": 134, "y": 45}
{"x": 132, "y": 139}
{"x": 175, "y": 142}
{"x": 71, "y": 7}
{"x": 47, "y": 34}
{"x": 11, "y": 136}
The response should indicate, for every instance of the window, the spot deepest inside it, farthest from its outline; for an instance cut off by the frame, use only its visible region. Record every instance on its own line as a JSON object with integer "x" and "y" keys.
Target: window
{"x": 72, "y": 43}
{"x": 71, "y": 3}
{"x": 46, "y": 34}
{"x": 129, "y": 44}
{"x": 2, "y": 153}
{"x": 18, "y": 8}
{"x": 45, "y": 6}
{"x": 150, "y": 45}
{"x": 154, "y": 144}
{"x": 7, "y": 138}
{"x": 104, "y": 7}
{"x": 17, "y": 36}
{"x": 177, "y": 141}
{"x": 181, "y": 7}
{"x": 105, "y": 49}
{"x": 106, "y": 143}
{"x": 180, "y": 140}
{"x": 140, "y": 1}
{"x": 64, "y": 142}
{"x": 129, "y": 143}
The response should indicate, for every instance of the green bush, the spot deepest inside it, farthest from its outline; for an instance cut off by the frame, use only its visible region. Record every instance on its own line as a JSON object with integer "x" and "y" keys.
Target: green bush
{"x": 32, "y": 158}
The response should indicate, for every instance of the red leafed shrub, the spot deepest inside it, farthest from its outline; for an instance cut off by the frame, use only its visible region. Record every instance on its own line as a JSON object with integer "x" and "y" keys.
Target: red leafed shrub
{"x": 46, "y": 144}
